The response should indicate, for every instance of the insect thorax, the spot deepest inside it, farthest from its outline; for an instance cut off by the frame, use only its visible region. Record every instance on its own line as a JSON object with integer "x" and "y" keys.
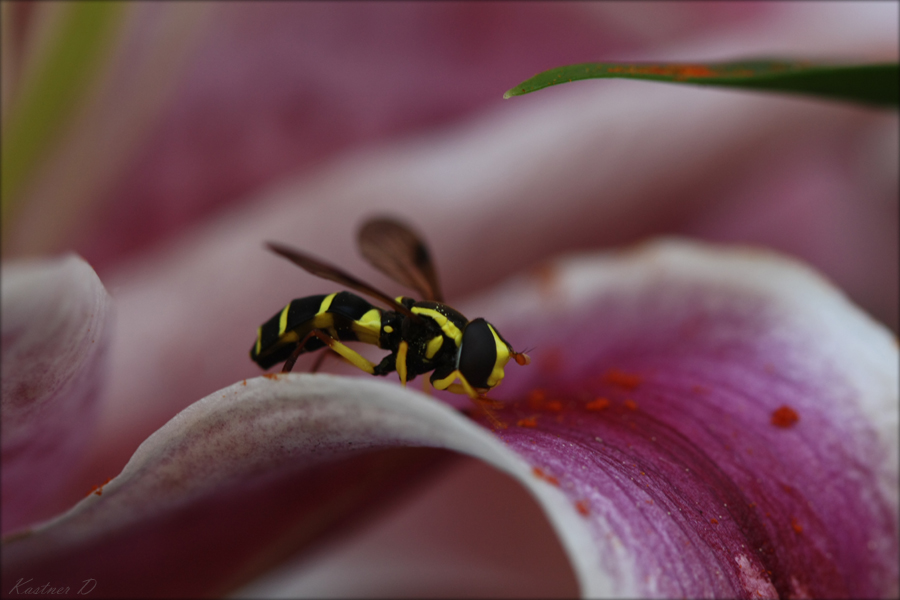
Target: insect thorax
{"x": 433, "y": 337}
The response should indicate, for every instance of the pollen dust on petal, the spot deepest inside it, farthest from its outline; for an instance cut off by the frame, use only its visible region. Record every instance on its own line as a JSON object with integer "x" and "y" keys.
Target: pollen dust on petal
{"x": 597, "y": 404}
{"x": 785, "y": 417}
{"x": 537, "y": 400}
{"x": 631, "y": 404}
{"x": 270, "y": 375}
{"x": 527, "y": 422}
{"x": 628, "y": 381}
{"x": 540, "y": 474}
{"x": 98, "y": 489}
{"x": 583, "y": 508}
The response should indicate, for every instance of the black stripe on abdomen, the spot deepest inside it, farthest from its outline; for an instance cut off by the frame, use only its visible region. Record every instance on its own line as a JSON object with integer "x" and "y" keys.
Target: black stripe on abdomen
{"x": 275, "y": 347}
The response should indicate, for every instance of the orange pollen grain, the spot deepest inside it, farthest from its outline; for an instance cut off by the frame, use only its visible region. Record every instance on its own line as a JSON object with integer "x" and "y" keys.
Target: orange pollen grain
{"x": 537, "y": 400}
{"x": 270, "y": 375}
{"x": 537, "y": 396}
{"x": 527, "y": 422}
{"x": 539, "y": 473}
{"x": 631, "y": 405}
{"x": 583, "y": 508}
{"x": 785, "y": 417}
{"x": 797, "y": 527}
{"x": 629, "y": 381}
{"x": 98, "y": 489}
{"x": 714, "y": 521}
{"x": 597, "y": 404}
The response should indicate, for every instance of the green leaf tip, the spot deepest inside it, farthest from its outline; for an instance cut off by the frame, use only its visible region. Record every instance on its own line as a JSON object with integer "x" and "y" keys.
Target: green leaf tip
{"x": 874, "y": 84}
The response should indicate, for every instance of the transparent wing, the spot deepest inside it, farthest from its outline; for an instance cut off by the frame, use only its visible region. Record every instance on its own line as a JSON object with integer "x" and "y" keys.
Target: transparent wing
{"x": 395, "y": 250}
{"x": 332, "y": 273}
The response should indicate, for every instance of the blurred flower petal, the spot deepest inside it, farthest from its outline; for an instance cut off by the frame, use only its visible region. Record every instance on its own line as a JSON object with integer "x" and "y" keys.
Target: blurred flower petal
{"x": 746, "y": 416}
{"x": 99, "y": 119}
{"x": 55, "y": 331}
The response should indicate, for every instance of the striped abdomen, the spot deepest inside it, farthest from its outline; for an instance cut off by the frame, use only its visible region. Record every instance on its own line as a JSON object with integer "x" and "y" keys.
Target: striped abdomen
{"x": 345, "y": 316}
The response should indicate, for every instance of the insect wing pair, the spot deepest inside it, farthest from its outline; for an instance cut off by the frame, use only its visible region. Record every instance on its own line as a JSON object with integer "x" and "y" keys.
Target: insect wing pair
{"x": 466, "y": 357}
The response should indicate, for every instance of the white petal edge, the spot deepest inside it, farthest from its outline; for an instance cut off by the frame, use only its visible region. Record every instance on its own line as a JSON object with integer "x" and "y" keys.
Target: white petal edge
{"x": 341, "y": 414}
{"x": 55, "y": 321}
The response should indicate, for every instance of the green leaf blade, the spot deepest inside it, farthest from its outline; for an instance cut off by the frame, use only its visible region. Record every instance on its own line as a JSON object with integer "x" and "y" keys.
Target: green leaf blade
{"x": 72, "y": 62}
{"x": 871, "y": 84}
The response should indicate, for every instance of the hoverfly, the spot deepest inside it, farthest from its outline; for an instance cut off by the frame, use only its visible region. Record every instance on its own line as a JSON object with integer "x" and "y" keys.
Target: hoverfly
{"x": 466, "y": 357}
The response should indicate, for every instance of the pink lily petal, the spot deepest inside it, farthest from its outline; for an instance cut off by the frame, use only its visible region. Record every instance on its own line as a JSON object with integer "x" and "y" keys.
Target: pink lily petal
{"x": 671, "y": 379}
{"x": 55, "y": 332}
{"x": 238, "y": 474}
{"x": 485, "y": 197}
{"x": 703, "y": 356}
{"x": 728, "y": 422}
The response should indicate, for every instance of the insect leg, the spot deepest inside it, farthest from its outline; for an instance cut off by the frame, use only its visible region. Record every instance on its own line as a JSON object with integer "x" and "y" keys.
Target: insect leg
{"x": 401, "y": 361}
{"x": 301, "y": 347}
{"x": 289, "y": 363}
{"x": 350, "y": 355}
{"x": 463, "y": 387}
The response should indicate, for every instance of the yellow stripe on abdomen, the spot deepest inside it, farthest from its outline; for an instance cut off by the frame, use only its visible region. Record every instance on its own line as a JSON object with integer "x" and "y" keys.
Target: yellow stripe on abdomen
{"x": 282, "y": 320}
{"x": 323, "y": 319}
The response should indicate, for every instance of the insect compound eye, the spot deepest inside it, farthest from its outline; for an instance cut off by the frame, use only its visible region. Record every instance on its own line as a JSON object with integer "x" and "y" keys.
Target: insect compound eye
{"x": 477, "y": 353}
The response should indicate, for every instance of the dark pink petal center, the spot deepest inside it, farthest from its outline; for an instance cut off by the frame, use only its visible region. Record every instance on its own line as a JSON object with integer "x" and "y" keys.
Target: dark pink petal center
{"x": 702, "y": 432}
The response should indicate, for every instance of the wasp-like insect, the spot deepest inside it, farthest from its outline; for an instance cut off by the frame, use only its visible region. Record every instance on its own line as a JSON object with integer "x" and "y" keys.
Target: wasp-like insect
{"x": 467, "y": 357}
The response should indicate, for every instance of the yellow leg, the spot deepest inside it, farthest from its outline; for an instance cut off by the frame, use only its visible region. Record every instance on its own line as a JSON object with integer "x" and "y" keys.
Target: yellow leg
{"x": 348, "y": 354}
{"x": 449, "y": 383}
{"x": 401, "y": 361}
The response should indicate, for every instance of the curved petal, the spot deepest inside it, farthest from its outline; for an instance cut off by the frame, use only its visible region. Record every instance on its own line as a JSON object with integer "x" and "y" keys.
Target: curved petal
{"x": 725, "y": 419}
{"x": 696, "y": 422}
{"x": 55, "y": 331}
{"x": 239, "y": 473}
